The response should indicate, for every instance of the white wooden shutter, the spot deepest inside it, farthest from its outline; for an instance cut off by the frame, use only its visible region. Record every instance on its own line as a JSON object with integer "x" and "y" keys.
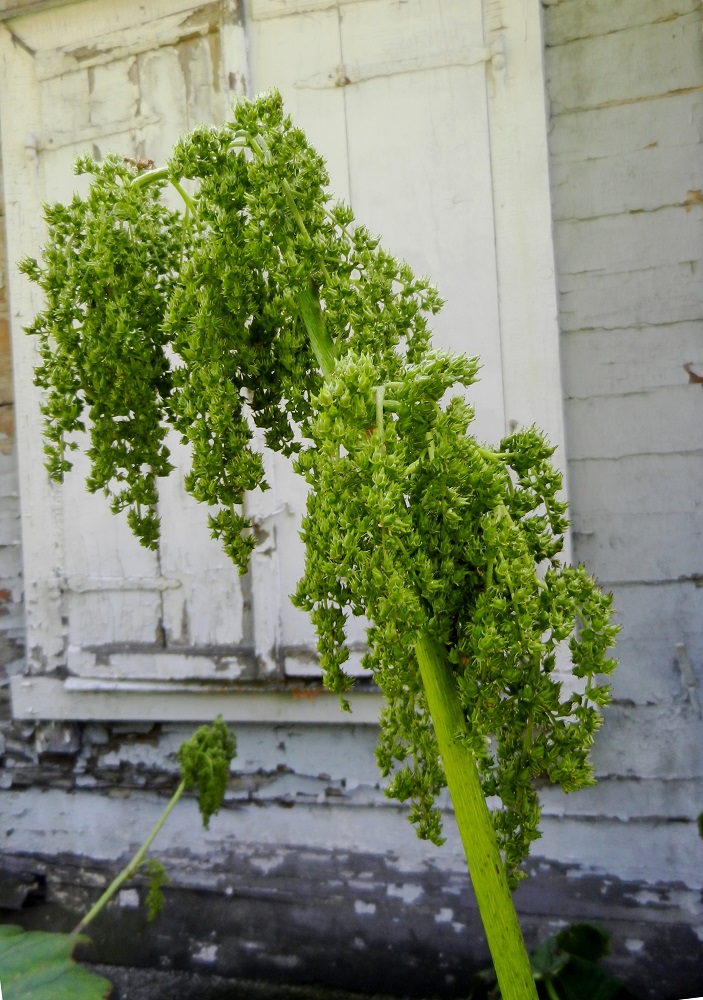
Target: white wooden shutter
{"x": 127, "y": 78}
{"x": 395, "y": 97}
{"x": 431, "y": 116}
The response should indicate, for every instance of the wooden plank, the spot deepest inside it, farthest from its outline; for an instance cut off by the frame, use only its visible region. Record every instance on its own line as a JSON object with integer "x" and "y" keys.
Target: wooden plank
{"x": 15, "y": 8}
{"x": 634, "y": 546}
{"x": 630, "y": 299}
{"x": 234, "y": 53}
{"x": 638, "y": 484}
{"x": 105, "y": 48}
{"x": 631, "y": 241}
{"x": 104, "y": 663}
{"x": 567, "y": 20}
{"x": 676, "y": 753}
{"x": 625, "y": 128}
{"x": 207, "y": 608}
{"x": 646, "y": 180}
{"x": 618, "y": 426}
{"x": 259, "y": 10}
{"x": 522, "y": 204}
{"x": 41, "y": 502}
{"x": 640, "y": 853}
{"x": 284, "y": 53}
{"x": 646, "y": 672}
{"x": 381, "y": 35}
{"x": 425, "y": 134}
{"x": 97, "y": 545}
{"x": 48, "y": 698}
{"x": 626, "y": 66}
{"x": 50, "y": 31}
{"x": 624, "y": 798}
{"x": 118, "y": 616}
{"x": 617, "y": 362}
{"x": 655, "y": 619}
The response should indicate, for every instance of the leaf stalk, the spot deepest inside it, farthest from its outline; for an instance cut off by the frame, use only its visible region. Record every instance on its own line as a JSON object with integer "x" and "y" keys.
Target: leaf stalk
{"x": 132, "y": 866}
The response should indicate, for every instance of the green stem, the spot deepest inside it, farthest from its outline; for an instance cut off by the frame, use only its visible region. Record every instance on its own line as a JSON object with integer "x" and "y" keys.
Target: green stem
{"x": 290, "y": 198}
{"x": 493, "y": 896}
{"x": 131, "y": 867}
{"x": 189, "y": 202}
{"x": 320, "y": 340}
{"x": 495, "y": 456}
{"x": 150, "y": 176}
{"x": 162, "y": 174}
{"x": 551, "y": 990}
{"x": 380, "y": 393}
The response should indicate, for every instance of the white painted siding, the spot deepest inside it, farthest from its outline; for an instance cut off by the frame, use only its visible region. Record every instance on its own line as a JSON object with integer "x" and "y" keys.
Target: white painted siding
{"x": 625, "y": 83}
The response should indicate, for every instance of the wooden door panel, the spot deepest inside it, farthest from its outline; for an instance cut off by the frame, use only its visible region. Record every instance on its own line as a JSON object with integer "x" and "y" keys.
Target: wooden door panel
{"x": 394, "y": 95}
{"x": 127, "y": 78}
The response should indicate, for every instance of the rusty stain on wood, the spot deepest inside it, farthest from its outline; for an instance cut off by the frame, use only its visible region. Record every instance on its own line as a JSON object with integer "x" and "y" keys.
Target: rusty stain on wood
{"x": 693, "y": 198}
{"x": 307, "y": 694}
{"x": 647, "y": 97}
{"x": 692, "y": 376}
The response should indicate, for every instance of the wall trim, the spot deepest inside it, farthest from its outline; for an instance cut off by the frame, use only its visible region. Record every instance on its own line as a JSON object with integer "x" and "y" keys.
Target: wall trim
{"x": 77, "y": 699}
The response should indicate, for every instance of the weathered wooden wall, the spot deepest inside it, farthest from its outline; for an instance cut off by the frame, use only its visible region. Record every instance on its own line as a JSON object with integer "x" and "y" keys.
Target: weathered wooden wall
{"x": 310, "y": 873}
{"x": 11, "y": 607}
{"x": 625, "y": 83}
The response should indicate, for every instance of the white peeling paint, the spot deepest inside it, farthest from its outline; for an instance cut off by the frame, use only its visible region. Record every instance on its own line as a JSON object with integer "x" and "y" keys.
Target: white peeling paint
{"x": 408, "y": 892}
{"x": 362, "y": 908}
{"x": 207, "y": 953}
{"x": 128, "y": 899}
{"x": 284, "y": 961}
{"x": 267, "y": 865}
{"x": 644, "y": 897}
{"x": 251, "y": 946}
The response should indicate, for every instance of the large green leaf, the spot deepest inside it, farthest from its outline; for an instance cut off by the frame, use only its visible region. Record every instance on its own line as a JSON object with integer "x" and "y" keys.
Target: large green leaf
{"x": 37, "y": 965}
{"x": 565, "y": 967}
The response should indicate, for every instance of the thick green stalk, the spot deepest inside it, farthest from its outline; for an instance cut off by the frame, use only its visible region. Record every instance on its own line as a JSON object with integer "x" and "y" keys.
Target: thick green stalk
{"x": 493, "y": 896}
{"x": 132, "y": 866}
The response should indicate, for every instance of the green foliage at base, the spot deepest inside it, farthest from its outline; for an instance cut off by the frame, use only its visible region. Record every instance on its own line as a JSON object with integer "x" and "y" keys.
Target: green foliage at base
{"x": 37, "y": 965}
{"x": 565, "y": 967}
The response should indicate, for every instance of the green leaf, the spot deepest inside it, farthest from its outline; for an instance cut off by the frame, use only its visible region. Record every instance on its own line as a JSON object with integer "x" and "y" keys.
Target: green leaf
{"x": 582, "y": 980}
{"x": 565, "y": 966}
{"x": 37, "y": 965}
{"x": 588, "y": 941}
